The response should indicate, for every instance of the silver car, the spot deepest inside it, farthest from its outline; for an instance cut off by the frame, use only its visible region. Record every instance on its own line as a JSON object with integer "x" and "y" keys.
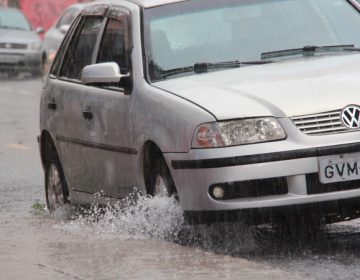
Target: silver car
{"x": 54, "y": 36}
{"x": 238, "y": 108}
{"x": 20, "y": 45}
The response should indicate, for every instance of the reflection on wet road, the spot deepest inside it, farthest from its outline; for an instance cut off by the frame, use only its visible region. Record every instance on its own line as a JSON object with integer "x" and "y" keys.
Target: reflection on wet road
{"x": 148, "y": 240}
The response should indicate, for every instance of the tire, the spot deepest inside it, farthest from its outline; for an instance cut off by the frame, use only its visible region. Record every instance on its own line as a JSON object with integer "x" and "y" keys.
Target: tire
{"x": 55, "y": 185}
{"x": 160, "y": 181}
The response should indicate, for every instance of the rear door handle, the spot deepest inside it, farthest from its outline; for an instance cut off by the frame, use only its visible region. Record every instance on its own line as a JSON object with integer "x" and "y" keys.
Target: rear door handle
{"x": 52, "y": 105}
{"x": 87, "y": 114}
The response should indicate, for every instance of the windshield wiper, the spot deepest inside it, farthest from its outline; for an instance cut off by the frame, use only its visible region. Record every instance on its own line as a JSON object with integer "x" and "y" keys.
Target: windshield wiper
{"x": 309, "y": 51}
{"x": 203, "y": 67}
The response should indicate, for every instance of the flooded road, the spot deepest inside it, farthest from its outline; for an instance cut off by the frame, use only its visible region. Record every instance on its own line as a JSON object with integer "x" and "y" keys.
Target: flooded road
{"x": 144, "y": 241}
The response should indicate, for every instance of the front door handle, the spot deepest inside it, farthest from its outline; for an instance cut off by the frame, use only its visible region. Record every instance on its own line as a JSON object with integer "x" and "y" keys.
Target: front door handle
{"x": 87, "y": 114}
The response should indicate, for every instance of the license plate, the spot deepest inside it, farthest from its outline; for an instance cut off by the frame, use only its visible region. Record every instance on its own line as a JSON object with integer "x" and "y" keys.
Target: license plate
{"x": 338, "y": 168}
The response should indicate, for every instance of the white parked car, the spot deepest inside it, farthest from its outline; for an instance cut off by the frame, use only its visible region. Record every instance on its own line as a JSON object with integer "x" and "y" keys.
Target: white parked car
{"x": 20, "y": 45}
{"x": 239, "y": 108}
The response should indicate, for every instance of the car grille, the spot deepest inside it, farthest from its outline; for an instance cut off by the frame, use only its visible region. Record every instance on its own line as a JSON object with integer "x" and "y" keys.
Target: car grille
{"x": 314, "y": 186}
{"x": 322, "y": 123}
{"x": 11, "y": 55}
{"x": 13, "y": 46}
{"x": 254, "y": 188}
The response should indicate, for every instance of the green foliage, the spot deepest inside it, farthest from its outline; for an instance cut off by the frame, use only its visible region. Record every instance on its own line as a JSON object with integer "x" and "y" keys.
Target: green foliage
{"x": 38, "y": 208}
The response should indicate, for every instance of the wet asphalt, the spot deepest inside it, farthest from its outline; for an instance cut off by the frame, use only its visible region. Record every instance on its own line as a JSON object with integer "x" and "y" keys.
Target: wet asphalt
{"x": 147, "y": 241}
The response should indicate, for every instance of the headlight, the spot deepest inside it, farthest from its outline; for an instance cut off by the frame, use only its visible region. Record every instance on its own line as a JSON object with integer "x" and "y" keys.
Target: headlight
{"x": 237, "y": 132}
{"x": 34, "y": 46}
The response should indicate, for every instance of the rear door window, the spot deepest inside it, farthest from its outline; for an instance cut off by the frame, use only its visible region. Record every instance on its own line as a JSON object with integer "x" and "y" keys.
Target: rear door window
{"x": 57, "y": 62}
{"x": 115, "y": 45}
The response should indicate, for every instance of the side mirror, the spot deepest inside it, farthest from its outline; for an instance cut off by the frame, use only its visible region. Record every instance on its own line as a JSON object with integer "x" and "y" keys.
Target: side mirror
{"x": 101, "y": 73}
{"x": 64, "y": 28}
{"x": 40, "y": 30}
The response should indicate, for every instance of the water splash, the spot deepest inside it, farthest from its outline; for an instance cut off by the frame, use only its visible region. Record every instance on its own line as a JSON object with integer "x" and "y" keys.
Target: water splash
{"x": 142, "y": 217}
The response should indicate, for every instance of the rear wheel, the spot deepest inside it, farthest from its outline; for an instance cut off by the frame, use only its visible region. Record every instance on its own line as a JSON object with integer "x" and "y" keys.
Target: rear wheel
{"x": 55, "y": 185}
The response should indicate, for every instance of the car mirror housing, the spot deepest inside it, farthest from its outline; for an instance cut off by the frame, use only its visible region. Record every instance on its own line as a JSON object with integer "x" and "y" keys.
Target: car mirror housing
{"x": 64, "y": 28}
{"x": 40, "y": 30}
{"x": 101, "y": 73}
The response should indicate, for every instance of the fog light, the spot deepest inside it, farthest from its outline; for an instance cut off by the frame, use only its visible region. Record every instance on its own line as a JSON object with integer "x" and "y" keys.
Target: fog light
{"x": 218, "y": 192}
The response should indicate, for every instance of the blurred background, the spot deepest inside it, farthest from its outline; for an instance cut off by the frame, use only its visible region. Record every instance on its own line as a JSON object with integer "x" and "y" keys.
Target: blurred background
{"x": 41, "y": 12}
{"x": 31, "y": 34}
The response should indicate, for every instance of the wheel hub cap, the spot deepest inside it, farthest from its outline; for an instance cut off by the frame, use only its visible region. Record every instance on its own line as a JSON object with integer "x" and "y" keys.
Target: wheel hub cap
{"x": 55, "y": 189}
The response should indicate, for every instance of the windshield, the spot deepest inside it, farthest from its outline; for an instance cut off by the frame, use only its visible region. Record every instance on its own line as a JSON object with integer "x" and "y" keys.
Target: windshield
{"x": 211, "y": 31}
{"x": 12, "y": 19}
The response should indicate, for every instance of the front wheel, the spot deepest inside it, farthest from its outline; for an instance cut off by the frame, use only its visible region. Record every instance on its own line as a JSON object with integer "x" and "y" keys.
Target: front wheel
{"x": 55, "y": 187}
{"x": 161, "y": 182}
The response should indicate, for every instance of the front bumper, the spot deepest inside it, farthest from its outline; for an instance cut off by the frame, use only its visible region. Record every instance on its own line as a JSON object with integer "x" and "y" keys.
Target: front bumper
{"x": 325, "y": 212}
{"x": 20, "y": 60}
{"x": 294, "y": 159}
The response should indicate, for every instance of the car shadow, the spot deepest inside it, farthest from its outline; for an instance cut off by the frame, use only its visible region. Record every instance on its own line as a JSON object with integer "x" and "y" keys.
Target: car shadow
{"x": 268, "y": 241}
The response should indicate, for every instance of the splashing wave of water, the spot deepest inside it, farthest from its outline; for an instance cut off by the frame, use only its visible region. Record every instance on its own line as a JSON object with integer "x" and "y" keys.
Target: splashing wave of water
{"x": 156, "y": 217}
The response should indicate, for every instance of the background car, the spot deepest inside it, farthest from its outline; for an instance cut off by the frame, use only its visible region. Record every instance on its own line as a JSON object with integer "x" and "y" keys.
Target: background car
{"x": 54, "y": 36}
{"x": 20, "y": 45}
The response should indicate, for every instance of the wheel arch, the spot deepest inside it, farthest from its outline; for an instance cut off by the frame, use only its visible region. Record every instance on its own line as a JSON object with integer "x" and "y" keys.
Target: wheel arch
{"x": 49, "y": 154}
{"x": 150, "y": 152}
{"x": 47, "y": 146}
{"x": 152, "y": 158}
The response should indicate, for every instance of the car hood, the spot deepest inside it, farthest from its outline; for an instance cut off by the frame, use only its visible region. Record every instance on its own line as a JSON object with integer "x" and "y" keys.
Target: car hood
{"x": 18, "y": 36}
{"x": 290, "y": 88}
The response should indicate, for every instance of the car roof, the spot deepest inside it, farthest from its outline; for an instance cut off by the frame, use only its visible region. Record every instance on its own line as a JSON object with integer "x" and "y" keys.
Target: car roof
{"x": 155, "y": 3}
{"x": 145, "y": 3}
{"x": 77, "y": 6}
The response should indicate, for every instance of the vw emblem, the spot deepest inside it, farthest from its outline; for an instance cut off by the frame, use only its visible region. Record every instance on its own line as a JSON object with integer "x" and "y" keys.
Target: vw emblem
{"x": 350, "y": 116}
